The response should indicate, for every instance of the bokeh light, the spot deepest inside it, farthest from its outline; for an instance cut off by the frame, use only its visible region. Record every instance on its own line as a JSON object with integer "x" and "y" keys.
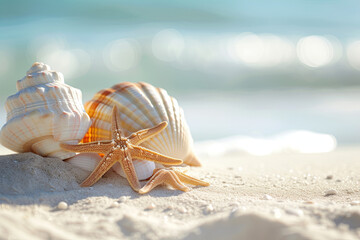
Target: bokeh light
{"x": 261, "y": 50}
{"x": 6, "y": 60}
{"x": 249, "y": 48}
{"x": 168, "y": 45}
{"x": 353, "y": 54}
{"x": 315, "y": 51}
{"x": 121, "y": 55}
{"x": 73, "y": 63}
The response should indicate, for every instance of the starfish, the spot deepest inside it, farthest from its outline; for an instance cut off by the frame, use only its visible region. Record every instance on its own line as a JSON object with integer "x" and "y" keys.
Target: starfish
{"x": 122, "y": 149}
{"x": 174, "y": 178}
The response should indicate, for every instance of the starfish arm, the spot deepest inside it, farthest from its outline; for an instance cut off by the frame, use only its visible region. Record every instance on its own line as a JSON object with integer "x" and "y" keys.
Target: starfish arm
{"x": 142, "y": 135}
{"x": 115, "y": 124}
{"x": 129, "y": 170}
{"x": 146, "y": 154}
{"x": 98, "y": 147}
{"x": 104, "y": 165}
{"x": 163, "y": 176}
{"x": 190, "y": 180}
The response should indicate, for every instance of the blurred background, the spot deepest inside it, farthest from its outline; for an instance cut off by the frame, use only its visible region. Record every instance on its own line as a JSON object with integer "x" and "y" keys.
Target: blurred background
{"x": 262, "y": 76}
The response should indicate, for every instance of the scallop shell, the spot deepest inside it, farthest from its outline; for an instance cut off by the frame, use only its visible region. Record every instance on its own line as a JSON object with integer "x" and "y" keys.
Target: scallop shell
{"x": 142, "y": 106}
{"x": 44, "y": 112}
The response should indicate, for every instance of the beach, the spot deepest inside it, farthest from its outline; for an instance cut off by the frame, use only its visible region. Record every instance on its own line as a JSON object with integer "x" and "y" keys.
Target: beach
{"x": 285, "y": 195}
{"x": 271, "y": 96}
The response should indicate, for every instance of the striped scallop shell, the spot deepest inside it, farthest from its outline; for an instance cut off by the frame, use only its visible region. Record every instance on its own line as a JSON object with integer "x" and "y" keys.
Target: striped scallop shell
{"x": 142, "y": 106}
{"x": 44, "y": 112}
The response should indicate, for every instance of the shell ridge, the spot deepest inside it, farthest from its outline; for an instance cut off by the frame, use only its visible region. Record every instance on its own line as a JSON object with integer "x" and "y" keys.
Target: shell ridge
{"x": 169, "y": 130}
{"x": 152, "y": 94}
{"x": 161, "y": 111}
{"x": 138, "y": 98}
{"x": 130, "y": 110}
{"x": 156, "y": 101}
{"x": 177, "y": 124}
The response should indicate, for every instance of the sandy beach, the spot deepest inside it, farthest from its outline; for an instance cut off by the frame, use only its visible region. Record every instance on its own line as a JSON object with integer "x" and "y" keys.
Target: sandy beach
{"x": 279, "y": 196}
{"x": 266, "y": 94}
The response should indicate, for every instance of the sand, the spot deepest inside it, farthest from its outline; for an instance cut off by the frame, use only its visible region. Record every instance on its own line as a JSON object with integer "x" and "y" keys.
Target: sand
{"x": 279, "y": 196}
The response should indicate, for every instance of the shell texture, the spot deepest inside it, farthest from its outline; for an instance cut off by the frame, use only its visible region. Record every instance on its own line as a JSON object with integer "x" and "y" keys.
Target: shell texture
{"x": 85, "y": 161}
{"x": 142, "y": 106}
{"x": 44, "y": 112}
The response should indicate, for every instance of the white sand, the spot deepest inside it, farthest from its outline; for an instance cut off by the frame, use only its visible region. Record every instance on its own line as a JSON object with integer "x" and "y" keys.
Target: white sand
{"x": 280, "y": 196}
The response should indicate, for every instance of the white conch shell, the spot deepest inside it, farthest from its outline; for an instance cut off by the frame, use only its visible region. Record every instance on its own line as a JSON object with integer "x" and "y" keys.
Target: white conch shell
{"x": 142, "y": 106}
{"x": 44, "y": 112}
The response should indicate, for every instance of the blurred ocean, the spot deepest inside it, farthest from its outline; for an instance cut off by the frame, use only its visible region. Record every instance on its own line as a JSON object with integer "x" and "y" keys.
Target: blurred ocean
{"x": 272, "y": 120}
{"x": 256, "y": 69}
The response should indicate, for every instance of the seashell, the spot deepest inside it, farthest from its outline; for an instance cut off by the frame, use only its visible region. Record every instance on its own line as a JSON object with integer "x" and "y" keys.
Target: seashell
{"x": 142, "y": 106}
{"x": 85, "y": 161}
{"x": 88, "y": 162}
{"x": 44, "y": 112}
{"x": 143, "y": 169}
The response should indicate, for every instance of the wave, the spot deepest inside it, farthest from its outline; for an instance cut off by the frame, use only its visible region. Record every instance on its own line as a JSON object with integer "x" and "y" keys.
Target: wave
{"x": 300, "y": 141}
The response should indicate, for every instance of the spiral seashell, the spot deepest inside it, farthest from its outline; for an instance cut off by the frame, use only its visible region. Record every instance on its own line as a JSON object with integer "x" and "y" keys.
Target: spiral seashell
{"x": 142, "y": 106}
{"x": 44, "y": 112}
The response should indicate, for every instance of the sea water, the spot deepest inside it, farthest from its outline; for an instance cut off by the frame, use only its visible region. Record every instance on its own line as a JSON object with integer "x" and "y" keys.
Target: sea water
{"x": 265, "y": 122}
{"x": 257, "y": 74}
